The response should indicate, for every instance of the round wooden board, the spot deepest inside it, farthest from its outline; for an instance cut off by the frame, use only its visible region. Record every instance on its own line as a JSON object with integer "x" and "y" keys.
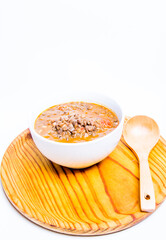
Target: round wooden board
{"x": 97, "y": 200}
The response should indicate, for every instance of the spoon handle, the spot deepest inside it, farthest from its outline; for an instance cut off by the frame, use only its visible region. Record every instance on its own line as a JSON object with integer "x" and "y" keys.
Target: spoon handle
{"x": 147, "y": 196}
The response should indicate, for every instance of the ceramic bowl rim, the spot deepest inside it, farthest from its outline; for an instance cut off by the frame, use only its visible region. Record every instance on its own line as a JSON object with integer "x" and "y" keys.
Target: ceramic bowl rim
{"x": 32, "y": 122}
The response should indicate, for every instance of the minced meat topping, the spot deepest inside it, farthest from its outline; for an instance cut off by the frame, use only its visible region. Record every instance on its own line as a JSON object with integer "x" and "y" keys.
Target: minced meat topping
{"x": 76, "y": 122}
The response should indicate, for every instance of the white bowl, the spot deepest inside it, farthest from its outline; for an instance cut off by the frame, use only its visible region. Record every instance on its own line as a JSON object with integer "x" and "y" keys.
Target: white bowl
{"x": 84, "y": 154}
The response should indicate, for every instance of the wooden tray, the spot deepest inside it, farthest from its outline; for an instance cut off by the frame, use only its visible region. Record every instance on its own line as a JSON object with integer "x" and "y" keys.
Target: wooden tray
{"x": 97, "y": 200}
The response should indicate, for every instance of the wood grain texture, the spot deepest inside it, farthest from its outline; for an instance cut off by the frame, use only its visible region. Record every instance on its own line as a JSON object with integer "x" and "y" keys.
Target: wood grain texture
{"x": 97, "y": 200}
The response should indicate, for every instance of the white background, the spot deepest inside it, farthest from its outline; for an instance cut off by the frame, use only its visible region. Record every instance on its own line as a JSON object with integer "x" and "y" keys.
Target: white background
{"x": 115, "y": 47}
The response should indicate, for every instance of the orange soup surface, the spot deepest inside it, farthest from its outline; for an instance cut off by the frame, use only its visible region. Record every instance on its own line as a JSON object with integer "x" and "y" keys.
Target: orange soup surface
{"x": 76, "y": 122}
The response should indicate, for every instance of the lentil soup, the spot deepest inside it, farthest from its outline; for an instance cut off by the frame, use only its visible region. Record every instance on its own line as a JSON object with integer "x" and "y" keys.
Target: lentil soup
{"x": 75, "y": 122}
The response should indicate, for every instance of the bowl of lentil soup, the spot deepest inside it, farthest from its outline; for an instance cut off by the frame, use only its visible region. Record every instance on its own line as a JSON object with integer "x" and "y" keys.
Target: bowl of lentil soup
{"x": 77, "y": 130}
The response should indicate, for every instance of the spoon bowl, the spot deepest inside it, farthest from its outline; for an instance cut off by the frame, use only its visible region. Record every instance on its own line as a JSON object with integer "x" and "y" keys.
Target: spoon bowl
{"x": 141, "y": 134}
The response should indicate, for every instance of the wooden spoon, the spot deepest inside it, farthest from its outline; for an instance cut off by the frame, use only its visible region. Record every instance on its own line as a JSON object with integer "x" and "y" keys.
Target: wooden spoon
{"x": 141, "y": 134}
